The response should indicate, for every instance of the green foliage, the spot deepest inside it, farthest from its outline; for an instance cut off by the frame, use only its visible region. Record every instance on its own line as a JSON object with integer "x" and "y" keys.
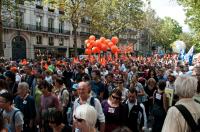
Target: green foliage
{"x": 167, "y": 31}
{"x": 117, "y": 15}
{"x": 192, "y": 8}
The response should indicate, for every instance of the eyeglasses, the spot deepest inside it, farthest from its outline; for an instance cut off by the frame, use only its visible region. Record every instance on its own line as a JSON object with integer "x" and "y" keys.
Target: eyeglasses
{"x": 114, "y": 97}
{"x": 77, "y": 119}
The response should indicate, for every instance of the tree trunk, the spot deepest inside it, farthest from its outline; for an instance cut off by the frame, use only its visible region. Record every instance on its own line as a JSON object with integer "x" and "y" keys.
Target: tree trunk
{"x": 75, "y": 41}
{"x": 1, "y": 30}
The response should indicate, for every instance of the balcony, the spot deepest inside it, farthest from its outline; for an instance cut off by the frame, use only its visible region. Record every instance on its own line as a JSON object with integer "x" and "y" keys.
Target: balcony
{"x": 34, "y": 28}
{"x": 39, "y": 6}
{"x": 84, "y": 34}
{"x": 50, "y": 10}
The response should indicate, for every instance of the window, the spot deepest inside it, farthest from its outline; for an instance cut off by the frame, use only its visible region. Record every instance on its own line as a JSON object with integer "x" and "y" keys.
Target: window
{"x": 61, "y": 41}
{"x": 39, "y": 2}
{"x": 51, "y": 43}
{"x": 38, "y": 23}
{"x": 61, "y": 26}
{"x": 39, "y": 39}
{"x": 50, "y": 24}
{"x": 19, "y": 19}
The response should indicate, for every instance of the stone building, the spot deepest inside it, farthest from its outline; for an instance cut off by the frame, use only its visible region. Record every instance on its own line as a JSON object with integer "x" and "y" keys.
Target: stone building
{"x": 37, "y": 31}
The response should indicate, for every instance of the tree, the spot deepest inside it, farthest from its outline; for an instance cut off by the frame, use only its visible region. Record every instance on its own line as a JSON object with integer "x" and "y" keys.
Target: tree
{"x": 115, "y": 16}
{"x": 193, "y": 19}
{"x": 168, "y": 32}
{"x": 192, "y": 13}
{"x": 75, "y": 12}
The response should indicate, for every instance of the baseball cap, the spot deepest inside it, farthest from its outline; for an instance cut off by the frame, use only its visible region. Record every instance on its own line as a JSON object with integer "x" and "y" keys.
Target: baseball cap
{"x": 74, "y": 86}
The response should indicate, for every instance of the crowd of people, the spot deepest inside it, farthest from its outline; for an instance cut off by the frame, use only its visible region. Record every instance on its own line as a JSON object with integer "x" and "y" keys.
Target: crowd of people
{"x": 123, "y": 95}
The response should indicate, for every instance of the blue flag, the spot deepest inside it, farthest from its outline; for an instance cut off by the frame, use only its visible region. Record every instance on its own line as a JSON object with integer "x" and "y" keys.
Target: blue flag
{"x": 189, "y": 56}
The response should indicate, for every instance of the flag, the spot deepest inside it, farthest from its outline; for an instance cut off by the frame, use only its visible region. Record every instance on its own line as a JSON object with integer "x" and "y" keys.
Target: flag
{"x": 181, "y": 55}
{"x": 189, "y": 56}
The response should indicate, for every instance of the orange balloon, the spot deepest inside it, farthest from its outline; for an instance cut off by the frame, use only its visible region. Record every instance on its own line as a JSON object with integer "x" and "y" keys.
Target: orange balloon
{"x": 92, "y": 37}
{"x": 107, "y": 41}
{"x": 115, "y": 40}
{"x": 104, "y": 47}
{"x": 89, "y": 45}
{"x": 87, "y": 41}
{"x": 96, "y": 50}
{"x": 103, "y": 40}
{"x": 110, "y": 44}
{"x": 114, "y": 49}
{"x": 92, "y": 42}
{"x": 98, "y": 43}
{"x": 88, "y": 51}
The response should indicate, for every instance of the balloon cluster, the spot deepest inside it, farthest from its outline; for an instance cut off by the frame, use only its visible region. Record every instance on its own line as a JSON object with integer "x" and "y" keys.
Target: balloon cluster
{"x": 178, "y": 46}
{"x": 95, "y": 46}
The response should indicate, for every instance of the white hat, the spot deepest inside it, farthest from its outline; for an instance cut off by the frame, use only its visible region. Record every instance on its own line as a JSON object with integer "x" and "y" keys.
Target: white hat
{"x": 88, "y": 113}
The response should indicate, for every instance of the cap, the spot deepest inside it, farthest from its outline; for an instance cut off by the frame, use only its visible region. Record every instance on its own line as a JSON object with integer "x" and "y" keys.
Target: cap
{"x": 87, "y": 113}
{"x": 74, "y": 86}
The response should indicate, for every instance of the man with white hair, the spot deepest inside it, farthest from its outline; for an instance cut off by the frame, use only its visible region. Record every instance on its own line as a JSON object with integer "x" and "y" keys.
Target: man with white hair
{"x": 84, "y": 90}
{"x": 26, "y": 104}
{"x": 185, "y": 88}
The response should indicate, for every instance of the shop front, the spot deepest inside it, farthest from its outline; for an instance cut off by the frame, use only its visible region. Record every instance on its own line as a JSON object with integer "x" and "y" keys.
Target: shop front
{"x": 43, "y": 52}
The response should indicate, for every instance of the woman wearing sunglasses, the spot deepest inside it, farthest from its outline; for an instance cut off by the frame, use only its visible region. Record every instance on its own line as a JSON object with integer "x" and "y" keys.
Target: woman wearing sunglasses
{"x": 112, "y": 109}
{"x": 85, "y": 117}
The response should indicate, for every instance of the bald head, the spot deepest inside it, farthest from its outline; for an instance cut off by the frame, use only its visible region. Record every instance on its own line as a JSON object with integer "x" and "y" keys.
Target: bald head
{"x": 84, "y": 89}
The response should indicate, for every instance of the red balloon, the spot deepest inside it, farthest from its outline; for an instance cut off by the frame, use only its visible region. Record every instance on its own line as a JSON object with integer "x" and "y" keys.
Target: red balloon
{"x": 114, "y": 49}
{"x": 98, "y": 43}
{"x": 95, "y": 50}
{"x": 88, "y": 51}
{"x": 107, "y": 41}
{"x": 92, "y": 37}
{"x": 104, "y": 47}
{"x": 89, "y": 45}
{"x": 110, "y": 44}
{"x": 98, "y": 50}
{"x": 115, "y": 40}
{"x": 103, "y": 40}
{"x": 87, "y": 41}
{"x": 92, "y": 42}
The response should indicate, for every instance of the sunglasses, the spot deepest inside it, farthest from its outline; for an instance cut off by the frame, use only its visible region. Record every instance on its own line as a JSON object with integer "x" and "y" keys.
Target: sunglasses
{"x": 77, "y": 119}
{"x": 114, "y": 97}
{"x": 3, "y": 91}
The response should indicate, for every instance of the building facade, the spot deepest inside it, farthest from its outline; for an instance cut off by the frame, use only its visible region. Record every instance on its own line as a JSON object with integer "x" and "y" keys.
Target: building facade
{"x": 37, "y": 31}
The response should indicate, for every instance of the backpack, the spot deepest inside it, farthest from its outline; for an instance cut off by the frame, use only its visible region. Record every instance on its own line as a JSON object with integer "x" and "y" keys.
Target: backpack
{"x": 189, "y": 119}
{"x": 69, "y": 101}
{"x": 13, "y": 118}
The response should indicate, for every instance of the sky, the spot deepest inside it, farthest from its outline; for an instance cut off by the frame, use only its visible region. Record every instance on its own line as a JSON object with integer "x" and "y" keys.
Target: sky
{"x": 170, "y": 8}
